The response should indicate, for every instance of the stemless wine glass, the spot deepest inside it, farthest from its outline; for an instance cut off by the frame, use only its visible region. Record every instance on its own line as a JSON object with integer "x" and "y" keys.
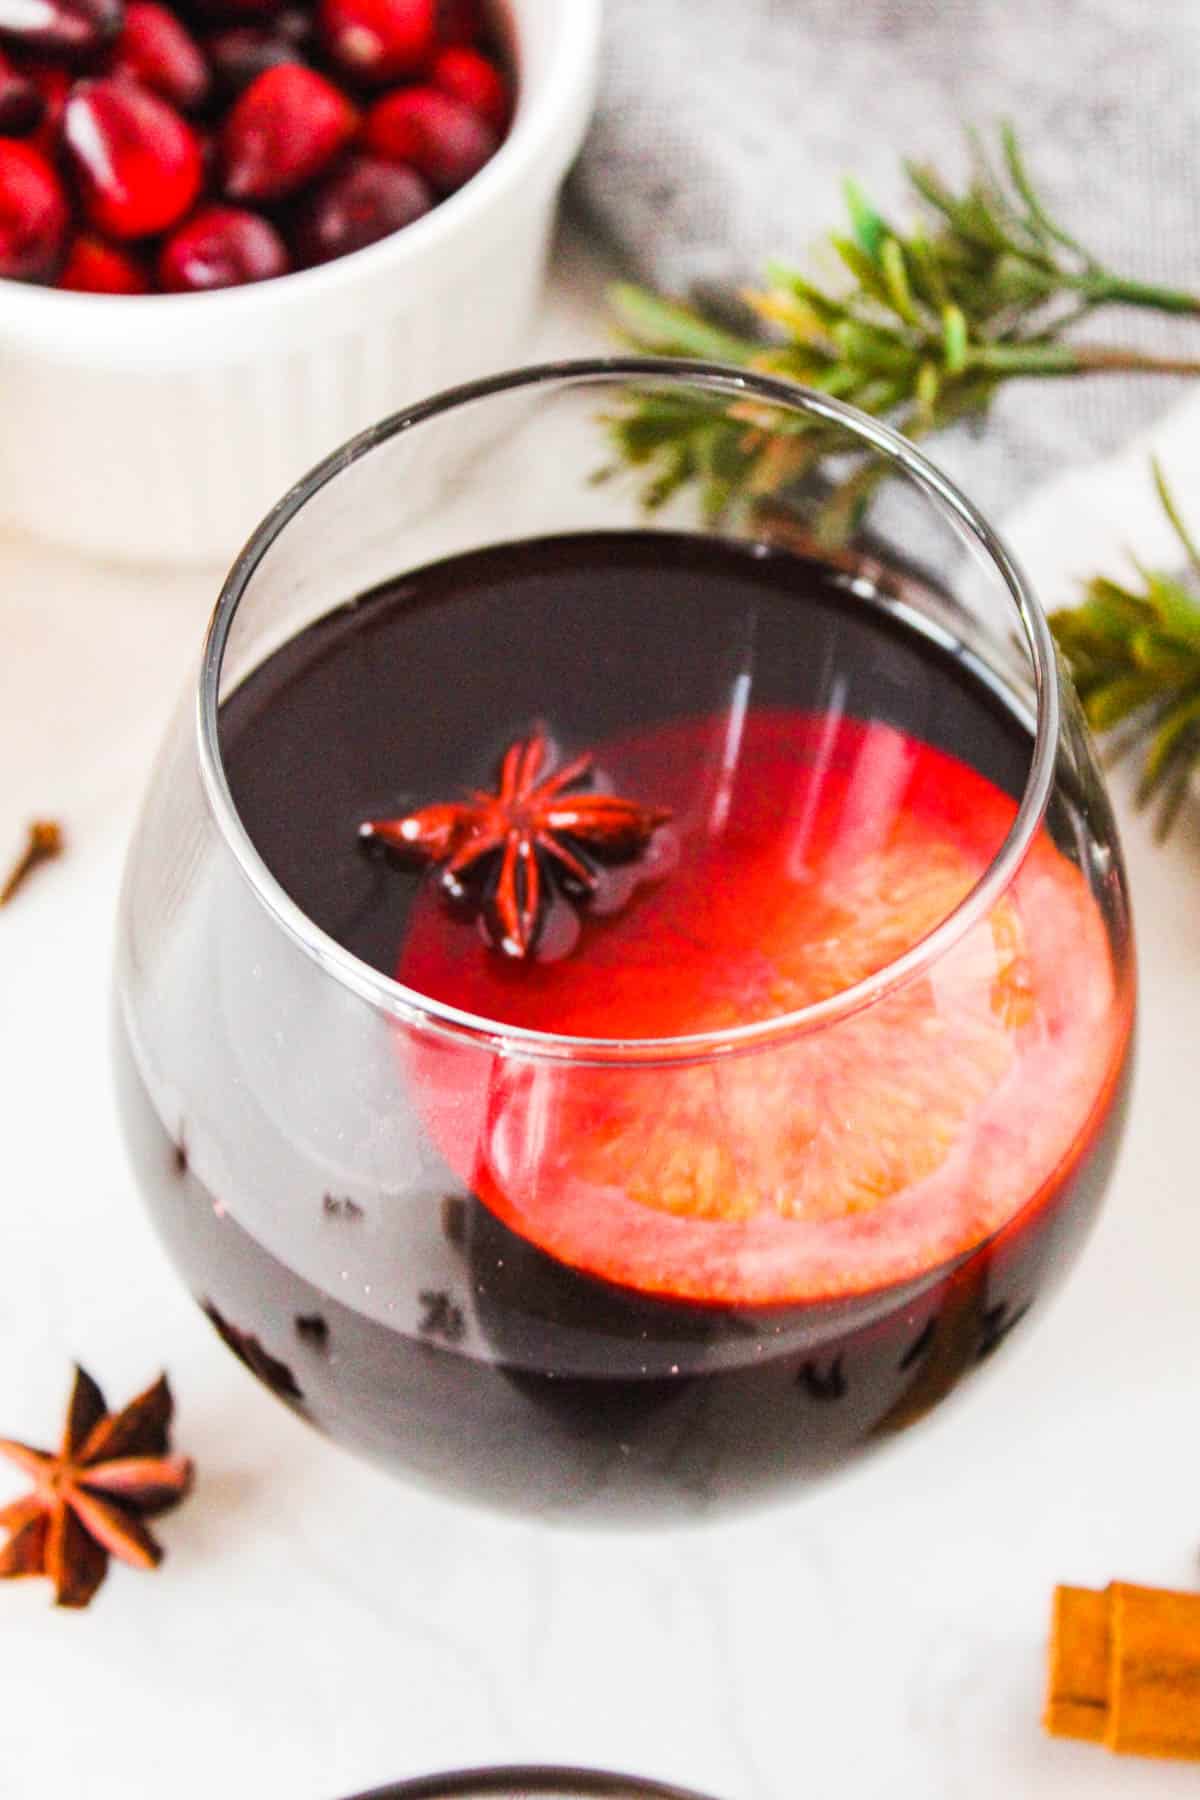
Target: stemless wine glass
{"x": 614, "y": 1272}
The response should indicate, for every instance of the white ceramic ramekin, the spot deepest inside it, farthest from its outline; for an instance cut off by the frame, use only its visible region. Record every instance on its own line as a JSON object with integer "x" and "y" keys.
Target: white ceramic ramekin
{"x": 162, "y": 428}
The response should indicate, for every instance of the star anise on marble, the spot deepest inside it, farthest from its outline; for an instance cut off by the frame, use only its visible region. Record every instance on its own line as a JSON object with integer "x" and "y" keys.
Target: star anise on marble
{"x": 89, "y": 1498}
{"x": 506, "y": 847}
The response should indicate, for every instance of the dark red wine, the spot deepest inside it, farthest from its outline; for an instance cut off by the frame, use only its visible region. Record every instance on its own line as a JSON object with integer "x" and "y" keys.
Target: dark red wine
{"x": 651, "y": 1283}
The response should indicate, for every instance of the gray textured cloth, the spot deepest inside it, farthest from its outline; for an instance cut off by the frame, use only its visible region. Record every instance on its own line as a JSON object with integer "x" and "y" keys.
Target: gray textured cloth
{"x": 725, "y": 127}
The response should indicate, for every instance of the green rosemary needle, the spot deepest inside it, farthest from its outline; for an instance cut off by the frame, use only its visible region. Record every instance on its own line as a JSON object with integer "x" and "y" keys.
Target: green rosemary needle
{"x": 925, "y": 327}
{"x": 1135, "y": 655}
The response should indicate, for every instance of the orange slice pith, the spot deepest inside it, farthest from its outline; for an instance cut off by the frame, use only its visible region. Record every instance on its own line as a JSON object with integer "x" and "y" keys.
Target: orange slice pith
{"x": 819, "y": 1165}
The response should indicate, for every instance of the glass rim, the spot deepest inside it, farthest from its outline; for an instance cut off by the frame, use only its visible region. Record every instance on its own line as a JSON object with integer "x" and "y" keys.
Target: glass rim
{"x": 500, "y": 1782}
{"x": 414, "y": 1008}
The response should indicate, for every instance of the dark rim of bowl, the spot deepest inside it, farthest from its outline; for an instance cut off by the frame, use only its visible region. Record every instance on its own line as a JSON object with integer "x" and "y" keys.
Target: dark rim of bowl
{"x": 519, "y": 1780}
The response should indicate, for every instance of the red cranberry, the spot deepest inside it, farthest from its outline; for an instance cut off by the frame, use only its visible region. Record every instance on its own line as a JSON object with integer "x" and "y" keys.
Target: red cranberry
{"x": 361, "y": 202}
{"x": 242, "y": 53}
{"x": 155, "y": 49}
{"x": 440, "y": 137}
{"x": 34, "y": 214}
{"x": 470, "y": 78}
{"x": 137, "y": 161}
{"x": 67, "y": 27}
{"x": 21, "y": 105}
{"x": 459, "y": 22}
{"x": 378, "y": 40}
{"x": 219, "y": 247}
{"x": 94, "y": 267}
{"x": 286, "y": 128}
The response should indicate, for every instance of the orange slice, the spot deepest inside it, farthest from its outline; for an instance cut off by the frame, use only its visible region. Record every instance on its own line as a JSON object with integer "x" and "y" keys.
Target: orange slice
{"x": 849, "y": 1157}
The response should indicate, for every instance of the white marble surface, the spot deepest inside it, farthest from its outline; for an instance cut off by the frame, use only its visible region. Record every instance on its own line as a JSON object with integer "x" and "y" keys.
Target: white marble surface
{"x": 317, "y": 1629}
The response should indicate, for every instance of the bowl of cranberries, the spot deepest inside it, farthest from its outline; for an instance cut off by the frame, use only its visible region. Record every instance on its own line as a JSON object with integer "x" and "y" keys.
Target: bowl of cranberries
{"x": 233, "y": 232}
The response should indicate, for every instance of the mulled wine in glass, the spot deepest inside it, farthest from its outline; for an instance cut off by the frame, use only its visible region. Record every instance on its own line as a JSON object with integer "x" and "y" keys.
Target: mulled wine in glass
{"x": 617, "y": 1011}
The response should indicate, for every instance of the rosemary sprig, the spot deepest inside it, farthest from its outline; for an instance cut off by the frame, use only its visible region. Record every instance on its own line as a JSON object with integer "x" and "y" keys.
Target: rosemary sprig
{"x": 1135, "y": 655}
{"x": 924, "y": 328}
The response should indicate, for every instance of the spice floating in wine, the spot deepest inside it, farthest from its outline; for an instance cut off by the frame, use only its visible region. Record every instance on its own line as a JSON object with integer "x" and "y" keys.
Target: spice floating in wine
{"x": 535, "y": 834}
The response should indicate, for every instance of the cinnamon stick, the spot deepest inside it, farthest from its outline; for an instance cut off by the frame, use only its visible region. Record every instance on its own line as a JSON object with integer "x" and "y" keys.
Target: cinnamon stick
{"x": 1077, "y": 1702}
{"x": 1125, "y": 1669}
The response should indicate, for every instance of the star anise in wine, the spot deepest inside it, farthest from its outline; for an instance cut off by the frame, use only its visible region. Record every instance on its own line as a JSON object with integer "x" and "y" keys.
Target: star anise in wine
{"x": 509, "y": 846}
{"x": 89, "y": 1498}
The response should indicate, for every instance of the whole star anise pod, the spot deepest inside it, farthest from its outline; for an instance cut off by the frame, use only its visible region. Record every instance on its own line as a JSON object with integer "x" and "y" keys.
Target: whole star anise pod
{"x": 90, "y": 1497}
{"x": 509, "y": 843}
